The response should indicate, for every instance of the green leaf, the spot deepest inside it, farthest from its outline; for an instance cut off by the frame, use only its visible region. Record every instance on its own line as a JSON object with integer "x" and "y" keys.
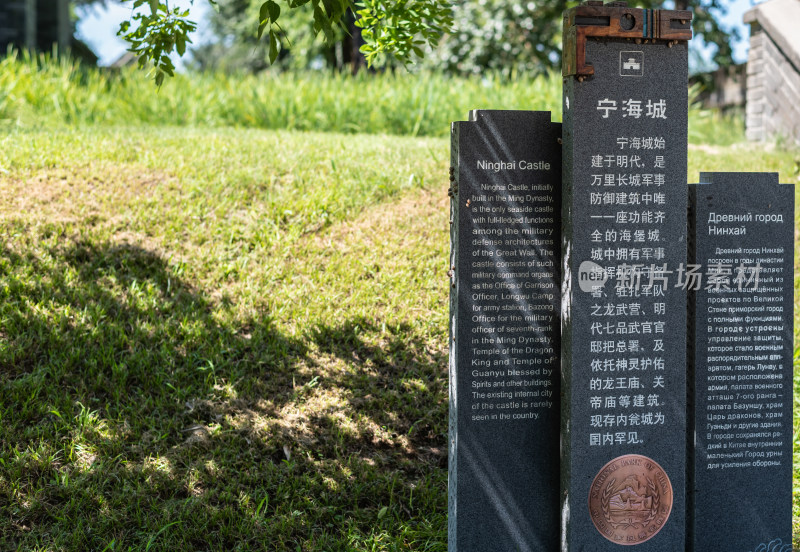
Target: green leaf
{"x": 263, "y": 19}
{"x": 382, "y": 512}
{"x": 180, "y": 45}
{"x": 263, "y": 14}
{"x": 274, "y": 10}
{"x": 273, "y": 46}
{"x": 154, "y": 5}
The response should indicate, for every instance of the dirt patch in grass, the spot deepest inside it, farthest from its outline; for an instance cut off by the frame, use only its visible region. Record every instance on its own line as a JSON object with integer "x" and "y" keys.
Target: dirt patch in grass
{"x": 77, "y": 193}
{"x": 392, "y": 221}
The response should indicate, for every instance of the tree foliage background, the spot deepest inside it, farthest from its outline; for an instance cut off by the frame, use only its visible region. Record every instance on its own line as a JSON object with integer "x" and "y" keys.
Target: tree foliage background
{"x": 461, "y": 37}
{"x": 507, "y": 36}
{"x": 238, "y": 48}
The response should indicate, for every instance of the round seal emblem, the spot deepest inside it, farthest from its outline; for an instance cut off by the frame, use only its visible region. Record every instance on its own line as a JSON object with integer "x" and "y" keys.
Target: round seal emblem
{"x": 630, "y": 499}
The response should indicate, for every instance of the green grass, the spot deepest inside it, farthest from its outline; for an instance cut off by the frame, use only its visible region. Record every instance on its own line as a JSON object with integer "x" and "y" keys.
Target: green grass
{"x": 231, "y": 339}
{"x": 208, "y": 346}
{"x": 53, "y": 91}
{"x": 36, "y": 91}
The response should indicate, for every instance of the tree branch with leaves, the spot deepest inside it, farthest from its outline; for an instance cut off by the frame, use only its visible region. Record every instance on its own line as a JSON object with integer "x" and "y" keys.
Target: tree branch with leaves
{"x": 401, "y": 28}
{"x": 492, "y": 34}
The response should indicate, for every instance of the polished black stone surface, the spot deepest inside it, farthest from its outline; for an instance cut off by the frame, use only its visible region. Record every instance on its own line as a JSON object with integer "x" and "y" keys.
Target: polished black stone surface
{"x": 741, "y": 363}
{"x": 624, "y": 351}
{"x": 504, "y": 382}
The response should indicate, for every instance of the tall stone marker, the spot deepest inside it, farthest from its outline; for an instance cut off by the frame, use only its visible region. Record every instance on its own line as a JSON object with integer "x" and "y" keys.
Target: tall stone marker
{"x": 623, "y": 324}
{"x": 742, "y": 254}
{"x": 504, "y": 382}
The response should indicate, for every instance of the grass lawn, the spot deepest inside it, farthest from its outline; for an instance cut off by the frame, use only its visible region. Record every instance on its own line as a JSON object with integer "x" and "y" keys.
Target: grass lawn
{"x": 231, "y": 339}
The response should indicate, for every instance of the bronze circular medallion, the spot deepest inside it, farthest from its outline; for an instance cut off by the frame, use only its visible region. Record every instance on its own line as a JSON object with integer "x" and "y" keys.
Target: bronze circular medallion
{"x": 630, "y": 499}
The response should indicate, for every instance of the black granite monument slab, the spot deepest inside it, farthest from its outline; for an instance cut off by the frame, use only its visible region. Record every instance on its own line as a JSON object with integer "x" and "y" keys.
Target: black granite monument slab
{"x": 741, "y": 303}
{"x": 504, "y": 304}
{"x": 623, "y": 324}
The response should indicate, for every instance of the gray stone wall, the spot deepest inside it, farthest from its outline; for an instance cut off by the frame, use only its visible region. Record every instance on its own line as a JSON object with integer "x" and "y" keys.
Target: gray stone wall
{"x": 773, "y": 90}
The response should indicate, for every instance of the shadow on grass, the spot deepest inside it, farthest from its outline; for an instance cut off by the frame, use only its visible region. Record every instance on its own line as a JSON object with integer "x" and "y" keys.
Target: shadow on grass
{"x": 395, "y": 378}
{"x": 137, "y": 412}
